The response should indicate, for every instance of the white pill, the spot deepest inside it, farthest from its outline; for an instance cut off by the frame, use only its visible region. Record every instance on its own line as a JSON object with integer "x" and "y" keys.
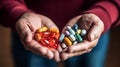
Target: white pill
{"x": 71, "y": 30}
{"x": 72, "y": 38}
{"x": 83, "y": 32}
{"x": 63, "y": 45}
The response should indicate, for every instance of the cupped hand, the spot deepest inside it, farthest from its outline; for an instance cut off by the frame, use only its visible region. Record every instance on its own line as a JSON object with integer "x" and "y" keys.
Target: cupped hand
{"x": 26, "y": 27}
{"x": 94, "y": 27}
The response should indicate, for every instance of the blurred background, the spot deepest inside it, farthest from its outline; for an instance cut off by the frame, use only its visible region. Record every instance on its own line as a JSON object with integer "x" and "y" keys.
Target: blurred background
{"x": 113, "y": 55}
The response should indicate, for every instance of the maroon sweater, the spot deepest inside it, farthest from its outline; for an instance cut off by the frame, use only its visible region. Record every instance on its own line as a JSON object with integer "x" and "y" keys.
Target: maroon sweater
{"x": 60, "y": 11}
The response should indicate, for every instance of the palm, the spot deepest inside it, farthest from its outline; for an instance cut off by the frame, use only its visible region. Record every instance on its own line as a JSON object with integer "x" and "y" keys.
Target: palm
{"x": 27, "y": 26}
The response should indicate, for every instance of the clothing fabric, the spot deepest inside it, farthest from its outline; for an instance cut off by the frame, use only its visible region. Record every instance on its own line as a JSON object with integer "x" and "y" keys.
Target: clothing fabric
{"x": 60, "y": 11}
{"x": 96, "y": 58}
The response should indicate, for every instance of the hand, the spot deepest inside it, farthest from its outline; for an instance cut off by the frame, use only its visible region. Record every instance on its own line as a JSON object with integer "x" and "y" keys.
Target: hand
{"x": 94, "y": 27}
{"x": 26, "y": 27}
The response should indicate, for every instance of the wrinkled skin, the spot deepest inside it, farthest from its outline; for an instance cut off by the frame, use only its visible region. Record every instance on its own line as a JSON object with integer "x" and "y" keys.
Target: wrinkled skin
{"x": 26, "y": 27}
{"x": 30, "y": 22}
{"x": 93, "y": 25}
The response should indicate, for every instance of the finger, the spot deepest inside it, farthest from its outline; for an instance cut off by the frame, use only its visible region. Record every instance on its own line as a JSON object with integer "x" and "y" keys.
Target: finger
{"x": 24, "y": 31}
{"x": 59, "y": 48}
{"x": 65, "y": 56}
{"x": 35, "y": 47}
{"x": 92, "y": 24}
{"x": 84, "y": 46}
{"x": 56, "y": 56}
{"x": 49, "y": 54}
{"x": 96, "y": 30}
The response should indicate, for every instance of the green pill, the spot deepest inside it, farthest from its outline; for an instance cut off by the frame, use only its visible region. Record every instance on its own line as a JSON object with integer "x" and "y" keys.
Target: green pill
{"x": 79, "y": 38}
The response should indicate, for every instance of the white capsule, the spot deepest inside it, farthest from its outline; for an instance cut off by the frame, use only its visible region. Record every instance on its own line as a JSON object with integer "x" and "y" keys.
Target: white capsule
{"x": 71, "y": 30}
{"x": 83, "y": 32}
{"x": 67, "y": 33}
{"x": 75, "y": 42}
{"x": 72, "y": 38}
{"x": 63, "y": 45}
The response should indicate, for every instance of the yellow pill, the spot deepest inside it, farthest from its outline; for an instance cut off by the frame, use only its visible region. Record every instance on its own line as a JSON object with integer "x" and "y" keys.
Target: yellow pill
{"x": 78, "y": 31}
{"x": 54, "y": 30}
{"x": 42, "y": 29}
{"x": 67, "y": 41}
{"x": 37, "y": 36}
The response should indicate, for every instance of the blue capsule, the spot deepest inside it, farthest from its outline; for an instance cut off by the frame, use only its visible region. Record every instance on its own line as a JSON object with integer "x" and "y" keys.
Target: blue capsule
{"x": 61, "y": 38}
{"x": 75, "y": 27}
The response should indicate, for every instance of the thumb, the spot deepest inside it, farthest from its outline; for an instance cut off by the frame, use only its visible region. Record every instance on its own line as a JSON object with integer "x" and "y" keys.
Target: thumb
{"x": 24, "y": 31}
{"x": 95, "y": 31}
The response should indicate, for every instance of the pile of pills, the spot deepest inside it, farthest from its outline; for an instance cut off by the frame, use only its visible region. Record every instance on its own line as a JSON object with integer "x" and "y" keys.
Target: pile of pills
{"x": 71, "y": 36}
{"x": 48, "y": 37}
{"x": 51, "y": 37}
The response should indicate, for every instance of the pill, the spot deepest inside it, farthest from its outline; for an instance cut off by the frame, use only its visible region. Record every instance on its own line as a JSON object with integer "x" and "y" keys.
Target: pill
{"x": 71, "y": 30}
{"x": 63, "y": 45}
{"x": 75, "y": 27}
{"x": 42, "y": 29}
{"x": 52, "y": 42}
{"x": 54, "y": 30}
{"x": 57, "y": 35}
{"x": 78, "y": 37}
{"x": 37, "y": 36}
{"x": 67, "y": 33}
{"x": 67, "y": 41}
{"x": 83, "y": 32}
{"x": 72, "y": 38}
{"x": 61, "y": 38}
{"x": 53, "y": 34}
{"x": 78, "y": 31}
{"x": 75, "y": 42}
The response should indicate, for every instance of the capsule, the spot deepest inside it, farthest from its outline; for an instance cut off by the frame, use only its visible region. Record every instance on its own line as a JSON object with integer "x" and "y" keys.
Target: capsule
{"x": 72, "y": 38}
{"x": 79, "y": 38}
{"x": 61, "y": 38}
{"x": 54, "y": 30}
{"x": 42, "y": 29}
{"x": 75, "y": 42}
{"x": 71, "y": 30}
{"x": 67, "y": 41}
{"x": 78, "y": 31}
{"x": 57, "y": 35}
{"x": 37, "y": 36}
{"x": 67, "y": 33}
{"x": 75, "y": 27}
{"x": 83, "y": 32}
{"x": 63, "y": 45}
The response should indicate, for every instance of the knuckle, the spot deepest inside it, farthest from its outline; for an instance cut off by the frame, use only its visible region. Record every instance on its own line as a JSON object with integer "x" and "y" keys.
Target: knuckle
{"x": 86, "y": 47}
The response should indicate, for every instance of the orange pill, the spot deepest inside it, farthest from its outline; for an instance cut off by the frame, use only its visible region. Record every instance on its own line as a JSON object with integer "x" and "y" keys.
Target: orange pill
{"x": 37, "y": 36}
{"x": 57, "y": 35}
{"x": 42, "y": 29}
{"x": 54, "y": 30}
{"x": 67, "y": 41}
